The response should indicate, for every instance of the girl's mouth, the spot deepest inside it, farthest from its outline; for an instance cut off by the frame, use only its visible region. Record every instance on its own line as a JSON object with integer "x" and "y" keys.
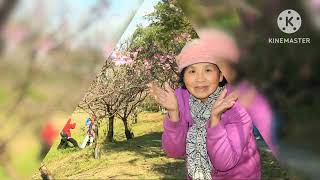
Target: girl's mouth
{"x": 201, "y": 88}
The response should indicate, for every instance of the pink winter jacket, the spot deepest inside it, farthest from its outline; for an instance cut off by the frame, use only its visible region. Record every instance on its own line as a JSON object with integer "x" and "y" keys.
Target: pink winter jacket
{"x": 231, "y": 145}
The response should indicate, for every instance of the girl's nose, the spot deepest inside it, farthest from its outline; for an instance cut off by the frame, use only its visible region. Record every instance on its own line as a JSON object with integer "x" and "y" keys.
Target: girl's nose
{"x": 200, "y": 77}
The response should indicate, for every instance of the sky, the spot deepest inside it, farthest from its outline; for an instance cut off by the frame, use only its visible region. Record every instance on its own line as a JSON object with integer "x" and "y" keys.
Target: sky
{"x": 47, "y": 14}
{"x": 146, "y": 8}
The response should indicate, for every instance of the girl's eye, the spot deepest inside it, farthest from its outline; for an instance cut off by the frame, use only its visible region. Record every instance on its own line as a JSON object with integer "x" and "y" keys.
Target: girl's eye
{"x": 208, "y": 70}
{"x": 192, "y": 71}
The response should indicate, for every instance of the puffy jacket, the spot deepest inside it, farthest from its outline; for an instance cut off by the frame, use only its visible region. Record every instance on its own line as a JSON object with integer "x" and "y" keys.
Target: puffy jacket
{"x": 231, "y": 144}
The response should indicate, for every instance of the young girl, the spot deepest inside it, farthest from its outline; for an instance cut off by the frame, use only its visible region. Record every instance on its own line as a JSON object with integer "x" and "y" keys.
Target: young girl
{"x": 91, "y": 135}
{"x": 206, "y": 124}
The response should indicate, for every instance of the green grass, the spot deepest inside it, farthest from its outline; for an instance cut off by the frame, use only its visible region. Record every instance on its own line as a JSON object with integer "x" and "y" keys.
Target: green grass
{"x": 6, "y": 97}
{"x": 3, "y": 94}
{"x": 36, "y": 95}
{"x": 26, "y": 161}
{"x": 139, "y": 158}
{"x": 2, "y": 174}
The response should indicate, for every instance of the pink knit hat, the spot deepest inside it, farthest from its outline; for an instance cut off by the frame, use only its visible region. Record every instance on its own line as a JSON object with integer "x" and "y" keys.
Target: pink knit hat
{"x": 214, "y": 46}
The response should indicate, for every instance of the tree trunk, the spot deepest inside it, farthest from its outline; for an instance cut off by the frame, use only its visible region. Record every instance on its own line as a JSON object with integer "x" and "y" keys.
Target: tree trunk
{"x": 6, "y": 9}
{"x": 98, "y": 142}
{"x": 45, "y": 173}
{"x": 110, "y": 129}
{"x": 127, "y": 132}
{"x": 135, "y": 118}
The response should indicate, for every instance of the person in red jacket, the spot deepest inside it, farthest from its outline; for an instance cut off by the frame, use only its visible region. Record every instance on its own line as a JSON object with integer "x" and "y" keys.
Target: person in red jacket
{"x": 66, "y": 135}
{"x": 48, "y": 135}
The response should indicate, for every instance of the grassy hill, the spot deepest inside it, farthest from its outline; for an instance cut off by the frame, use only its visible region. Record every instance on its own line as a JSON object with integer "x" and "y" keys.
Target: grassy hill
{"x": 139, "y": 158}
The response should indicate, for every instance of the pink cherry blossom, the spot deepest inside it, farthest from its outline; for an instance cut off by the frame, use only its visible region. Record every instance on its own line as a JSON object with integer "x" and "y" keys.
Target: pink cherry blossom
{"x": 120, "y": 61}
{"x": 45, "y": 46}
{"x": 166, "y": 67}
{"x": 183, "y": 37}
{"x": 134, "y": 55}
{"x": 129, "y": 61}
{"x": 14, "y": 35}
{"x": 147, "y": 64}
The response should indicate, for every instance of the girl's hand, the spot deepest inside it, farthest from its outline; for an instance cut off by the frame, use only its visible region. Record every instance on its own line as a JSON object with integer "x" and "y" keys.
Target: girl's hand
{"x": 222, "y": 104}
{"x": 166, "y": 98}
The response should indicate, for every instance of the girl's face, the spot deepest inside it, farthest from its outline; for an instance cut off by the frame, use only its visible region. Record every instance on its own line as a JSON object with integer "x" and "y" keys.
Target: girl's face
{"x": 202, "y": 79}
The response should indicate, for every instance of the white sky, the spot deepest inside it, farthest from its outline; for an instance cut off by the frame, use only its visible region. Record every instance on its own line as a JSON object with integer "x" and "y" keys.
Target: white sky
{"x": 146, "y": 8}
{"x": 47, "y": 15}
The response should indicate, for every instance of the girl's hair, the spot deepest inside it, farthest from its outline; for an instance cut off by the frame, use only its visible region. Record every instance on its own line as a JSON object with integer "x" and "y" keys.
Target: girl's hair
{"x": 181, "y": 80}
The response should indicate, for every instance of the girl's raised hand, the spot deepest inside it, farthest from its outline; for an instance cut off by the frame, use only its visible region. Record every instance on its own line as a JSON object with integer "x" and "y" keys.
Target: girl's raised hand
{"x": 222, "y": 104}
{"x": 166, "y": 98}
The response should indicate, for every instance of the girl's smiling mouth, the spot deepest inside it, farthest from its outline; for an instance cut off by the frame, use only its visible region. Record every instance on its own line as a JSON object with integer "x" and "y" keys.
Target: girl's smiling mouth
{"x": 201, "y": 88}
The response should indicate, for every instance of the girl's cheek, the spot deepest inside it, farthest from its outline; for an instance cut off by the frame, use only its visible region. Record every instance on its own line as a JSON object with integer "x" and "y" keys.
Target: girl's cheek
{"x": 189, "y": 76}
{"x": 209, "y": 74}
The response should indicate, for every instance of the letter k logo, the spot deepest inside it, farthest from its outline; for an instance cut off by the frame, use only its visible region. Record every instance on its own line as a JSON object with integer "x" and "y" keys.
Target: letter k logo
{"x": 289, "y": 21}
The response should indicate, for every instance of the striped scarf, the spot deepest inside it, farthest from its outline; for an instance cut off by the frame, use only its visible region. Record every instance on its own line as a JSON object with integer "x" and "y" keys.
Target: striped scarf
{"x": 198, "y": 162}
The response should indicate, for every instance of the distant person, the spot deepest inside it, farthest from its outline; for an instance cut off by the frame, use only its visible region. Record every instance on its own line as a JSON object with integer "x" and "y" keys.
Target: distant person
{"x": 48, "y": 135}
{"x": 66, "y": 135}
{"x": 91, "y": 132}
